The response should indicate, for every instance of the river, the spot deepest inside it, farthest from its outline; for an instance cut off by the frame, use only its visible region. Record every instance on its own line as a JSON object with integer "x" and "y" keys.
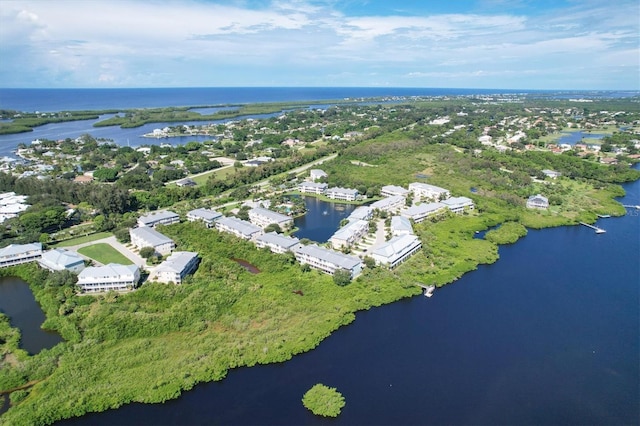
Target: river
{"x": 547, "y": 335}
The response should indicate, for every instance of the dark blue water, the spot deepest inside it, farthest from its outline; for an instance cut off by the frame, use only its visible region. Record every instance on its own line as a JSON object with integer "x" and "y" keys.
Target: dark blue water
{"x": 547, "y": 335}
{"x": 321, "y": 220}
{"x": 49, "y": 100}
{"x": 573, "y": 138}
{"x": 17, "y": 302}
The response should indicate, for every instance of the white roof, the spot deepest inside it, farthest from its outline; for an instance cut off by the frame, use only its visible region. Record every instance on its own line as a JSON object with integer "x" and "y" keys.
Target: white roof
{"x": 361, "y": 213}
{"x": 17, "y": 249}
{"x": 340, "y": 260}
{"x": 427, "y": 187}
{"x": 424, "y": 208}
{"x": 150, "y": 235}
{"x": 110, "y": 270}
{"x": 278, "y": 240}
{"x": 270, "y": 215}
{"x": 177, "y": 262}
{"x": 350, "y": 229}
{"x": 387, "y": 202}
{"x": 396, "y": 247}
{"x": 60, "y": 258}
{"x": 400, "y": 224}
{"x": 394, "y": 189}
{"x": 205, "y": 214}
{"x": 242, "y": 226}
{"x": 157, "y": 216}
{"x": 458, "y": 202}
{"x": 339, "y": 190}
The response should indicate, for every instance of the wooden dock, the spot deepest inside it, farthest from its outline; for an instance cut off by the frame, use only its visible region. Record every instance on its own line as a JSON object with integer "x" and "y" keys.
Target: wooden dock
{"x": 428, "y": 289}
{"x": 598, "y": 230}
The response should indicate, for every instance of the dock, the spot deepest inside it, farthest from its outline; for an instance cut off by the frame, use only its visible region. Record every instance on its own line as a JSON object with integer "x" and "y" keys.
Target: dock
{"x": 598, "y": 230}
{"x": 631, "y": 206}
{"x": 428, "y": 289}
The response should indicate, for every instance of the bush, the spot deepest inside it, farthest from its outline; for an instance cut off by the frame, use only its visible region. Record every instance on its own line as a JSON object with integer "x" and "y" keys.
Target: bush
{"x": 342, "y": 277}
{"x": 323, "y": 401}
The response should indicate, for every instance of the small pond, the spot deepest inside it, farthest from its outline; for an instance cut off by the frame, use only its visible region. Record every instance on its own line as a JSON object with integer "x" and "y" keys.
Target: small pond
{"x": 322, "y": 219}
{"x": 246, "y": 265}
{"x": 17, "y": 302}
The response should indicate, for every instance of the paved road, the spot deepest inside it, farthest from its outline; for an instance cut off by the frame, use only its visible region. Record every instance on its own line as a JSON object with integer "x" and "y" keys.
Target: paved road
{"x": 113, "y": 242}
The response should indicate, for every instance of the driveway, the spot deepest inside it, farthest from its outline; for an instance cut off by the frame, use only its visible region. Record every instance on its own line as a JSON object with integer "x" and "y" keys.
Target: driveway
{"x": 113, "y": 242}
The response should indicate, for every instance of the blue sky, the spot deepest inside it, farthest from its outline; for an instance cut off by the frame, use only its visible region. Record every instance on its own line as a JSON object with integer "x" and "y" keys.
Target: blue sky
{"x": 515, "y": 44}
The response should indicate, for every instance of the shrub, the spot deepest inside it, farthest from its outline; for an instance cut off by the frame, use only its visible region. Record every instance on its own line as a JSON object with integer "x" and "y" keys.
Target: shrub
{"x": 323, "y": 401}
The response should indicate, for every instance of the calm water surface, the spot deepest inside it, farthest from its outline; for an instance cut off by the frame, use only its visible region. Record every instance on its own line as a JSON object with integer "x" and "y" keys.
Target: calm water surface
{"x": 547, "y": 335}
{"x": 322, "y": 219}
{"x": 17, "y": 302}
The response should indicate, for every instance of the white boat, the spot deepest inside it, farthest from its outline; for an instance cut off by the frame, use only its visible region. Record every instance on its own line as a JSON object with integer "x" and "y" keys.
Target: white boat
{"x": 428, "y": 291}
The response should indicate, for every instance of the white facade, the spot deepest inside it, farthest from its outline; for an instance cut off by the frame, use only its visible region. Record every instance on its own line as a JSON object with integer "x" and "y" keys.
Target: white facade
{"x": 207, "y": 216}
{"x": 361, "y": 213}
{"x": 422, "y": 211}
{"x": 401, "y": 226}
{"x": 396, "y": 250}
{"x": 263, "y": 217}
{"x": 277, "y": 243}
{"x": 113, "y": 276}
{"x": 345, "y": 194}
{"x": 238, "y": 227}
{"x": 313, "y": 188}
{"x": 327, "y": 261}
{"x": 458, "y": 204}
{"x": 390, "y": 204}
{"x": 391, "y": 190}
{"x": 164, "y": 217}
{"x": 149, "y": 237}
{"x": 424, "y": 191}
{"x": 15, "y": 254}
{"x": 60, "y": 259}
{"x": 349, "y": 234}
{"x": 175, "y": 267}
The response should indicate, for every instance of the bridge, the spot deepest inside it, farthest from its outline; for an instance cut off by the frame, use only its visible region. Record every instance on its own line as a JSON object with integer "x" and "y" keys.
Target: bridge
{"x": 598, "y": 230}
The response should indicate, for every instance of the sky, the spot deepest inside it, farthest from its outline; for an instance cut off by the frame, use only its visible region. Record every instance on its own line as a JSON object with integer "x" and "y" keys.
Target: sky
{"x": 497, "y": 44}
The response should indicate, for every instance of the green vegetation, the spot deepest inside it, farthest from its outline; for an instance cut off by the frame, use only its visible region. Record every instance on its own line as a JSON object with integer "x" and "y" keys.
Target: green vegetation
{"x": 84, "y": 239}
{"x": 324, "y": 401}
{"x": 507, "y": 233}
{"x": 104, "y": 254}
{"x": 152, "y": 344}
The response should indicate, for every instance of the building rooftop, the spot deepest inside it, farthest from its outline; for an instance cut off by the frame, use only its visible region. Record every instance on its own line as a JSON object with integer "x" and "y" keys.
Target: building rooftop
{"x": 205, "y": 214}
{"x": 278, "y": 240}
{"x": 17, "y": 249}
{"x": 242, "y": 226}
{"x": 150, "y": 235}
{"x": 60, "y": 258}
{"x": 177, "y": 262}
{"x": 271, "y": 215}
{"x": 340, "y": 260}
{"x": 157, "y": 216}
{"x": 107, "y": 271}
{"x": 424, "y": 208}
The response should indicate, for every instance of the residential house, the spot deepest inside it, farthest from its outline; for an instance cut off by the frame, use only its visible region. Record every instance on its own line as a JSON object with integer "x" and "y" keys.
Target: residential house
{"x": 207, "y": 216}
{"x": 393, "y": 190}
{"x": 60, "y": 260}
{"x": 396, "y": 250}
{"x": 424, "y": 191}
{"x": 551, "y": 173}
{"x": 458, "y": 204}
{"x": 186, "y": 182}
{"x": 422, "y": 211}
{"x": 538, "y": 202}
{"x": 312, "y": 188}
{"x": 175, "y": 267}
{"x": 344, "y": 194}
{"x": 263, "y": 217}
{"x": 277, "y": 243}
{"x": 238, "y": 227}
{"x": 349, "y": 234}
{"x": 113, "y": 276}
{"x": 15, "y": 254}
{"x": 327, "y": 261}
{"x": 149, "y": 237}
{"x": 164, "y": 217}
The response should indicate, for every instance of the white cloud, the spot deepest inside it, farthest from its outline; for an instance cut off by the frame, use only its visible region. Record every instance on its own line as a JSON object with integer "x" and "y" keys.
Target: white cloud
{"x": 140, "y": 43}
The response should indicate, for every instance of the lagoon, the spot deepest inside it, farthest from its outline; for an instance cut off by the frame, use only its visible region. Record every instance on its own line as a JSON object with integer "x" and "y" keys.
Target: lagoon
{"x": 322, "y": 219}
{"x": 17, "y": 302}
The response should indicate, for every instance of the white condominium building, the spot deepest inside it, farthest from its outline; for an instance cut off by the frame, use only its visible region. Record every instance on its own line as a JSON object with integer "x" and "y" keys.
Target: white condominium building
{"x": 263, "y": 217}
{"x": 113, "y": 276}
{"x": 391, "y": 190}
{"x": 396, "y": 250}
{"x": 164, "y": 217}
{"x": 207, "y": 216}
{"x": 422, "y": 211}
{"x": 345, "y": 194}
{"x": 312, "y": 188}
{"x": 390, "y": 204}
{"x": 424, "y": 191}
{"x": 238, "y": 227}
{"x": 459, "y": 204}
{"x": 327, "y": 261}
{"x": 349, "y": 234}
{"x": 176, "y": 267}
{"x": 15, "y": 254}
{"x": 277, "y": 243}
{"x": 149, "y": 237}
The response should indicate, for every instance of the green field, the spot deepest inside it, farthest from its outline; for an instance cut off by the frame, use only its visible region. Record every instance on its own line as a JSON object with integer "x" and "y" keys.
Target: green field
{"x": 104, "y": 253}
{"x": 85, "y": 239}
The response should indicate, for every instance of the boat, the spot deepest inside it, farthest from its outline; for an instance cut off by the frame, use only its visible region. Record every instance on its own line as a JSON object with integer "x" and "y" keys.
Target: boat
{"x": 600, "y": 231}
{"x": 428, "y": 291}
{"x": 604, "y": 216}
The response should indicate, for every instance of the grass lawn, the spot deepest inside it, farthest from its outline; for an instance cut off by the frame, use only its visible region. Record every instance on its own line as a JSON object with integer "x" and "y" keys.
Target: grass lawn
{"x": 220, "y": 173}
{"x": 104, "y": 254}
{"x": 85, "y": 239}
